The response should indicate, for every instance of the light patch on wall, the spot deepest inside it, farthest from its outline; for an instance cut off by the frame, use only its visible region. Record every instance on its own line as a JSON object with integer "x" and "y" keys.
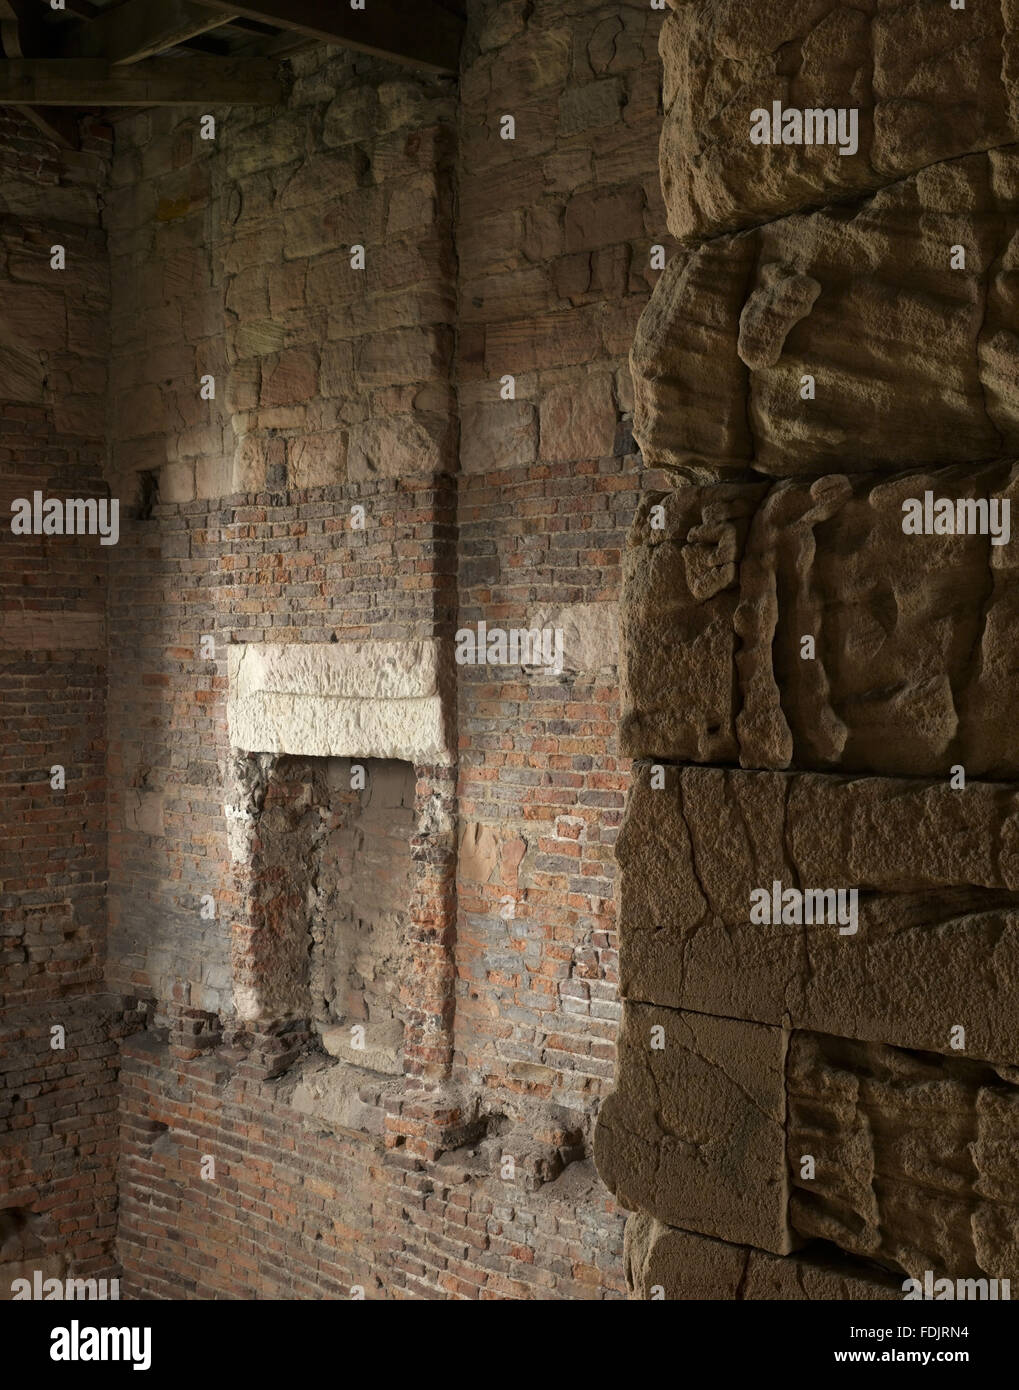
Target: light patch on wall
{"x": 375, "y": 699}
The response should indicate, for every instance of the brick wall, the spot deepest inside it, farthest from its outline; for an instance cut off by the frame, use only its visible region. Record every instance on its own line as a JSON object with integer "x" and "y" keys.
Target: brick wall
{"x": 554, "y": 246}
{"x": 331, "y": 392}
{"x": 475, "y": 1181}
{"x": 57, "y": 1103}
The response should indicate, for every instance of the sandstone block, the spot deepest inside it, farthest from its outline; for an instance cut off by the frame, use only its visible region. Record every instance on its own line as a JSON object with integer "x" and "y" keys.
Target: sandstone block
{"x": 578, "y": 420}
{"x": 408, "y": 355}
{"x": 928, "y": 82}
{"x": 84, "y": 416}
{"x": 247, "y": 294}
{"x": 254, "y": 455}
{"x": 356, "y": 218}
{"x": 590, "y": 633}
{"x": 214, "y": 475}
{"x": 21, "y": 375}
{"x": 736, "y": 332}
{"x": 177, "y": 482}
{"x": 259, "y": 338}
{"x": 143, "y": 811}
{"x": 291, "y": 379}
{"x": 318, "y": 460}
{"x": 686, "y": 1266}
{"x": 322, "y": 178}
{"x": 604, "y": 217}
{"x": 914, "y": 1157}
{"x": 694, "y": 1132}
{"x": 937, "y": 931}
{"x": 33, "y": 317}
{"x": 341, "y": 1098}
{"x": 401, "y": 446}
{"x": 497, "y": 434}
{"x": 351, "y": 116}
{"x": 373, "y": 699}
{"x": 912, "y": 666}
{"x": 590, "y": 105}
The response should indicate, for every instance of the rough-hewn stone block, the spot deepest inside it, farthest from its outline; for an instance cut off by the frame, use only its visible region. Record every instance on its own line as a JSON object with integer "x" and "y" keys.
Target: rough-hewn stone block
{"x": 937, "y": 871}
{"x": 373, "y": 699}
{"x": 735, "y": 327}
{"x": 911, "y": 670}
{"x": 665, "y": 1263}
{"x": 929, "y": 82}
{"x": 914, "y": 1157}
{"x": 694, "y": 1131}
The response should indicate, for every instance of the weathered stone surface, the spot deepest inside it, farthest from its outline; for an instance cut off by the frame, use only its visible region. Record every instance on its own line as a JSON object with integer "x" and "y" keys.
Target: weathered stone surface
{"x": 497, "y": 434}
{"x": 849, "y": 329}
{"x": 929, "y": 83}
{"x": 143, "y": 811}
{"x": 590, "y": 634}
{"x": 292, "y": 378}
{"x": 937, "y": 870}
{"x": 665, "y": 1263}
{"x": 33, "y": 317}
{"x": 798, "y": 296}
{"x": 371, "y": 699}
{"x": 381, "y": 1051}
{"x": 913, "y": 665}
{"x": 177, "y": 482}
{"x": 489, "y": 854}
{"x": 578, "y": 421}
{"x": 408, "y": 355}
{"x": 341, "y": 1097}
{"x": 21, "y": 375}
{"x": 400, "y": 446}
{"x": 317, "y": 460}
{"x": 412, "y": 730}
{"x": 677, "y": 622}
{"x": 694, "y": 1131}
{"x": 914, "y": 1157}
{"x": 356, "y": 670}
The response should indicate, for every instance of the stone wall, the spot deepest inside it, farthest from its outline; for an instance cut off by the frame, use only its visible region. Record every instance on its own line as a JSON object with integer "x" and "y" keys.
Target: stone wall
{"x": 816, "y": 1101}
{"x": 57, "y": 1088}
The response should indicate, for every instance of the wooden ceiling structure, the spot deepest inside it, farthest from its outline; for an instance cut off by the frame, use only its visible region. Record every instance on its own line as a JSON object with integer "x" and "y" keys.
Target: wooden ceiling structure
{"x": 100, "y": 54}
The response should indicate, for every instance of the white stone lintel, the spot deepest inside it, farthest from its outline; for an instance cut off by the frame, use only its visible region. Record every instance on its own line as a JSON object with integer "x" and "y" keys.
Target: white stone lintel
{"x": 368, "y": 699}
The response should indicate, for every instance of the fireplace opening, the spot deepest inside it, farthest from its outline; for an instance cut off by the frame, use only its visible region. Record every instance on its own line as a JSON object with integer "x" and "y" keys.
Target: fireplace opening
{"x": 332, "y": 883}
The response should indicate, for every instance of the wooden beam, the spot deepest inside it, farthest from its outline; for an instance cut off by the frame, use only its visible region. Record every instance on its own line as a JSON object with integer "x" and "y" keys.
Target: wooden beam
{"x": 157, "y": 82}
{"x": 130, "y": 33}
{"x": 419, "y": 33}
{"x": 21, "y": 29}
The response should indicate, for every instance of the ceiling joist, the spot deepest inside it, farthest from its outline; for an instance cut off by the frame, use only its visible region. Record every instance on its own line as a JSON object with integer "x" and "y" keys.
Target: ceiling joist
{"x": 419, "y": 34}
{"x": 149, "y": 52}
{"x": 142, "y": 29}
